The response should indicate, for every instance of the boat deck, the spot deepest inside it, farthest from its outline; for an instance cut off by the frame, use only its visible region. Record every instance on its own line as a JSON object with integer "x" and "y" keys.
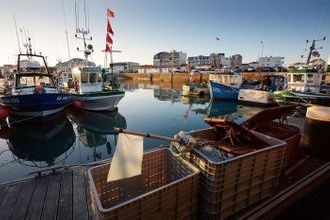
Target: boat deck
{"x": 63, "y": 195}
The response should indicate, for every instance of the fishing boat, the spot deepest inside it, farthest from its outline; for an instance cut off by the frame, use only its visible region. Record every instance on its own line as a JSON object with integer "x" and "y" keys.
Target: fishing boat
{"x": 261, "y": 94}
{"x": 221, "y": 91}
{"x": 224, "y": 86}
{"x": 90, "y": 92}
{"x": 195, "y": 89}
{"x": 34, "y": 93}
{"x": 91, "y": 89}
{"x": 305, "y": 82}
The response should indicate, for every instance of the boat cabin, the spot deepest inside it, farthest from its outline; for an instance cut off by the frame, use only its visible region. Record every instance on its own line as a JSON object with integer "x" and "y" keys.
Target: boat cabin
{"x": 31, "y": 77}
{"x": 234, "y": 80}
{"x": 87, "y": 79}
{"x": 304, "y": 80}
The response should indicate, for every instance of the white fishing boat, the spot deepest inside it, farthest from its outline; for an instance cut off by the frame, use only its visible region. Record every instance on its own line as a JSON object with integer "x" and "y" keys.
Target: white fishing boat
{"x": 194, "y": 89}
{"x": 256, "y": 96}
{"x": 263, "y": 94}
{"x": 305, "y": 82}
{"x": 90, "y": 91}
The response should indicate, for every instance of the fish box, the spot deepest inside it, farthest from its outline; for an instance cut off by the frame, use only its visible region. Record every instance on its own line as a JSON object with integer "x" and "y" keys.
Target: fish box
{"x": 232, "y": 184}
{"x": 167, "y": 189}
{"x": 288, "y": 133}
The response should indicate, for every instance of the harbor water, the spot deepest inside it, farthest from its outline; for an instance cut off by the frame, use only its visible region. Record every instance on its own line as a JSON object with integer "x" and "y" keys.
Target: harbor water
{"x": 80, "y": 137}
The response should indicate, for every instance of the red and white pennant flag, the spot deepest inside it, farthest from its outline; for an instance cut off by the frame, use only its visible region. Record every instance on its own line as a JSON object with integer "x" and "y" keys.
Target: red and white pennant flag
{"x": 109, "y": 41}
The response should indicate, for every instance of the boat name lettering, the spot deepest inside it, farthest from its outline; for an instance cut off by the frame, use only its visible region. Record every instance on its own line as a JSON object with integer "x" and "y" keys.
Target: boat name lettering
{"x": 91, "y": 69}
{"x": 11, "y": 101}
{"x": 63, "y": 98}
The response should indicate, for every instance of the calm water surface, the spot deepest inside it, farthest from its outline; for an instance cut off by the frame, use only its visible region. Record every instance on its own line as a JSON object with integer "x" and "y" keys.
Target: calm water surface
{"x": 81, "y": 137}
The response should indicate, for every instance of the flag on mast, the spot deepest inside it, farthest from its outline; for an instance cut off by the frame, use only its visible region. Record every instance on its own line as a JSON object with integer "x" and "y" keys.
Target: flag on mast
{"x": 109, "y": 28}
{"x": 109, "y": 41}
{"x": 110, "y": 13}
{"x": 108, "y": 48}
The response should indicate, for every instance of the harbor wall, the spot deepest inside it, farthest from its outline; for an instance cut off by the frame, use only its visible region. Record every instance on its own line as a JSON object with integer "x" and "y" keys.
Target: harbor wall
{"x": 185, "y": 77}
{"x": 166, "y": 77}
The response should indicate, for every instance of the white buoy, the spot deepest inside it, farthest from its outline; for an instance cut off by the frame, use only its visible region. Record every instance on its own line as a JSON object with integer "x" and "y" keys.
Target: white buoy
{"x": 316, "y": 137}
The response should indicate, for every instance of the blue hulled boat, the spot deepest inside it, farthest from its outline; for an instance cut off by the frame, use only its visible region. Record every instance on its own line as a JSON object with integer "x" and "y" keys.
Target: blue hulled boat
{"x": 221, "y": 91}
{"x": 34, "y": 93}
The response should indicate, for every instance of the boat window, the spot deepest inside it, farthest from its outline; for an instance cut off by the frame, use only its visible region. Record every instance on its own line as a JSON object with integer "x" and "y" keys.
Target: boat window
{"x": 92, "y": 78}
{"x": 100, "y": 77}
{"x": 298, "y": 78}
{"x": 25, "y": 81}
{"x": 310, "y": 75}
{"x": 84, "y": 77}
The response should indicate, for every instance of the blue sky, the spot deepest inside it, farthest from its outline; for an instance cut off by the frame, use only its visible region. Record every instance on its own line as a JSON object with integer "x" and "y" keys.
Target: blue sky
{"x": 145, "y": 27}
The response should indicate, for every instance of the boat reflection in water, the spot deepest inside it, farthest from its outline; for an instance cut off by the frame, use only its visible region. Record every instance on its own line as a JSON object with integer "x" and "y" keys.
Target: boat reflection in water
{"x": 216, "y": 109}
{"x": 96, "y": 129}
{"x": 233, "y": 111}
{"x": 190, "y": 100}
{"x": 166, "y": 94}
{"x": 42, "y": 144}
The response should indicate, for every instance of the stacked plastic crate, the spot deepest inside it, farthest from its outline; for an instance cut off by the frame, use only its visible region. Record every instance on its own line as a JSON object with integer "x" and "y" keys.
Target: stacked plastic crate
{"x": 167, "y": 189}
{"x": 233, "y": 184}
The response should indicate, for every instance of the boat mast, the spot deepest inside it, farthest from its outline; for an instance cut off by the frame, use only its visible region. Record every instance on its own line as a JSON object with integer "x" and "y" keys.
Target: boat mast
{"x": 66, "y": 34}
{"x": 18, "y": 42}
{"x": 82, "y": 32}
{"x": 313, "y": 50}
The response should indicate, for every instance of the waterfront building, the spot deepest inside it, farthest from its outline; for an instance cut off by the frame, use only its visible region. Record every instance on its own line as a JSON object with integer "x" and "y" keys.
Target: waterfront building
{"x": 125, "y": 67}
{"x": 145, "y": 69}
{"x": 216, "y": 60}
{"x": 199, "y": 60}
{"x": 64, "y": 66}
{"x": 271, "y": 61}
{"x": 172, "y": 58}
{"x": 244, "y": 67}
{"x": 253, "y": 66}
{"x": 236, "y": 61}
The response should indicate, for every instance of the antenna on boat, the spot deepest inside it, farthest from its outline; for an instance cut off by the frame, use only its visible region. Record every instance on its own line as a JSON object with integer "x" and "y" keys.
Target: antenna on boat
{"x": 313, "y": 51}
{"x": 66, "y": 33}
{"x": 17, "y": 37}
{"x": 82, "y": 32}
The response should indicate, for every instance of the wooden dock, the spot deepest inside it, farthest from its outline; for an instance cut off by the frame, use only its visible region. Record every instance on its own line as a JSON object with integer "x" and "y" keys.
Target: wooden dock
{"x": 63, "y": 195}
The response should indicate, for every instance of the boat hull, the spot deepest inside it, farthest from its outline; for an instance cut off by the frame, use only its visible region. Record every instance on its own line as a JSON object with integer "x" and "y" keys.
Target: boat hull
{"x": 306, "y": 97}
{"x": 221, "y": 91}
{"x": 36, "y": 105}
{"x": 260, "y": 97}
{"x": 99, "y": 101}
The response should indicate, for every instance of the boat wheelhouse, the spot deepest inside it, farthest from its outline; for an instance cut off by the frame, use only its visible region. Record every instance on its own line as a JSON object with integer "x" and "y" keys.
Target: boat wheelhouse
{"x": 233, "y": 80}
{"x": 89, "y": 90}
{"x": 304, "y": 80}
